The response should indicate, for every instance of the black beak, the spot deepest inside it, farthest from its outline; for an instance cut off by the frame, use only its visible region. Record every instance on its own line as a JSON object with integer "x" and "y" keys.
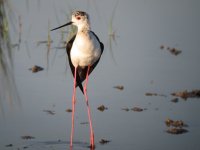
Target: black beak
{"x": 62, "y": 26}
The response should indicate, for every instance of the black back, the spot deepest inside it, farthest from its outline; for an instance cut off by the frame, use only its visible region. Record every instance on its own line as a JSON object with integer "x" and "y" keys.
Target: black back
{"x": 81, "y": 72}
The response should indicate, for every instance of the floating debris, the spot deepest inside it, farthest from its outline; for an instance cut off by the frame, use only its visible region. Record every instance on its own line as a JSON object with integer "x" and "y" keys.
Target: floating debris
{"x": 185, "y": 94}
{"x": 50, "y": 112}
{"x": 68, "y": 110}
{"x": 175, "y": 123}
{"x": 126, "y": 109}
{"x": 102, "y": 108}
{"x": 155, "y": 94}
{"x": 119, "y": 87}
{"x": 137, "y": 109}
{"x": 36, "y": 68}
{"x": 173, "y": 51}
{"x": 9, "y": 145}
{"x": 27, "y": 137}
{"x": 175, "y": 126}
{"x": 162, "y": 46}
{"x": 104, "y": 141}
{"x": 84, "y": 123}
{"x": 175, "y": 100}
{"x": 151, "y": 94}
{"x": 176, "y": 130}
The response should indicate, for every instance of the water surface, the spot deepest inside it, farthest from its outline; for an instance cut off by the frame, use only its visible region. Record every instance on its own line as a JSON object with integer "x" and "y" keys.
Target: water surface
{"x": 141, "y": 66}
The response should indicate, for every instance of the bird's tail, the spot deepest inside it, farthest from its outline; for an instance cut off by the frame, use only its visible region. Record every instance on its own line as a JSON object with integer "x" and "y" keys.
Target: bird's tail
{"x": 80, "y": 86}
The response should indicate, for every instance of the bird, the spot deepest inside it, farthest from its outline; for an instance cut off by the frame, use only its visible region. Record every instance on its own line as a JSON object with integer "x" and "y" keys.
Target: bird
{"x": 84, "y": 51}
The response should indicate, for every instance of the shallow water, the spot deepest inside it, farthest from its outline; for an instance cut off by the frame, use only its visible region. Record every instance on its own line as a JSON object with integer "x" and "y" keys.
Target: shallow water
{"x": 141, "y": 67}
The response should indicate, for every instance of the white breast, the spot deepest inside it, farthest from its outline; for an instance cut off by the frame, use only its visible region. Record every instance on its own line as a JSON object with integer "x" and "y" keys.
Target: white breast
{"x": 85, "y": 50}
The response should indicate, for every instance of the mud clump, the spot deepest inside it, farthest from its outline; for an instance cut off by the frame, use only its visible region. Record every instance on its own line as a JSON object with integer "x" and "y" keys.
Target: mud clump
{"x": 175, "y": 126}
{"x": 104, "y": 141}
{"x": 36, "y": 69}
{"x": 102, "y": 108}
{"x": 185, "y": 94}
{"x": 119, "y": 87}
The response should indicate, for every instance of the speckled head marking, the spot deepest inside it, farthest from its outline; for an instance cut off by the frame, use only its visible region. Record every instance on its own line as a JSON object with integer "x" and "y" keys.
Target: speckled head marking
{"x": 79, "y": 13}
{"x": 81, "y": 19}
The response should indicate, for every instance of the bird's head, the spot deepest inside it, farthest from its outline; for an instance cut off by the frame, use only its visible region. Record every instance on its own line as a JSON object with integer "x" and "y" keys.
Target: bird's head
{"x": 79, "y": 19}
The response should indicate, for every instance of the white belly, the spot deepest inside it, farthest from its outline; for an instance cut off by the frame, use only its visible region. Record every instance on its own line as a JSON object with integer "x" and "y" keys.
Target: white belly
{"x": 85, "y": 50}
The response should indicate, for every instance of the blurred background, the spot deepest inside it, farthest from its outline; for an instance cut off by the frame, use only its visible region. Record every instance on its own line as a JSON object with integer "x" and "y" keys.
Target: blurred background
{"x": 151, "y": 50}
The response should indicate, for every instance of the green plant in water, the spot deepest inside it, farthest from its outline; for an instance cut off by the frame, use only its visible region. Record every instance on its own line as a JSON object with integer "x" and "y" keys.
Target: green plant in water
{"x": 111, "y": 32}
{"x": 7, "y": 84}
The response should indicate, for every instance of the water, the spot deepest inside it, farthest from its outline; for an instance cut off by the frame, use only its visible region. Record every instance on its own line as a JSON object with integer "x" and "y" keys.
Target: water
{"x": 141, "y": 66}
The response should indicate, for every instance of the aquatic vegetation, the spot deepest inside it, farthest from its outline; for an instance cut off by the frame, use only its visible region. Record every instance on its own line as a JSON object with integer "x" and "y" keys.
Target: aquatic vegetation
{"x": 112, "y": 32}
{"x": 8, "y": 91}
{"x": 46, "y": 42}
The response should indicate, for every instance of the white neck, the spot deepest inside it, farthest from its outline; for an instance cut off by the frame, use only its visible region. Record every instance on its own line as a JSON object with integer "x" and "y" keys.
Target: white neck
{"x": 83, "y": 27}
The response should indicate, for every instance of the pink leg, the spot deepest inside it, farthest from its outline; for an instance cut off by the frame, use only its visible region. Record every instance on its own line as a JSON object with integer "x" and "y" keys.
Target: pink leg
{"x": 88, "y": 110}
{"x": 73, "y": 108}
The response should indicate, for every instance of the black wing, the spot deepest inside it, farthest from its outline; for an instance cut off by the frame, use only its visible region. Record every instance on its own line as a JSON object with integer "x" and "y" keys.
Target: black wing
{"x": 68, "y": 49}
{"x": 81, "y": 72}
{"x": 102, "y": 48}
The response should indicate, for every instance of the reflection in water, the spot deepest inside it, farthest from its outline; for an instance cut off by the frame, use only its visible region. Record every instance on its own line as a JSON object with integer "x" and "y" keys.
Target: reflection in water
{"x": 51, "y": 145}
{"x": 112, "y": 32}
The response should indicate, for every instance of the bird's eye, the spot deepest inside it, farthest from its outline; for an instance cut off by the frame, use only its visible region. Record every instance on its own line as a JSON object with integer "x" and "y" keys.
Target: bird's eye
{"x": 78, "y": 18}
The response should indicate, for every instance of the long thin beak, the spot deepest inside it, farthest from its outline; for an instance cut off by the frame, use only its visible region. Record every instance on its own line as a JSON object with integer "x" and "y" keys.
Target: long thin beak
{"x": 62, "y": 26}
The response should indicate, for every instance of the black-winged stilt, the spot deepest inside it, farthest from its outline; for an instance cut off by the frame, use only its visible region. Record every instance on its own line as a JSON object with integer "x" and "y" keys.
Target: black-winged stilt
{"x": 84, "y": 51}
